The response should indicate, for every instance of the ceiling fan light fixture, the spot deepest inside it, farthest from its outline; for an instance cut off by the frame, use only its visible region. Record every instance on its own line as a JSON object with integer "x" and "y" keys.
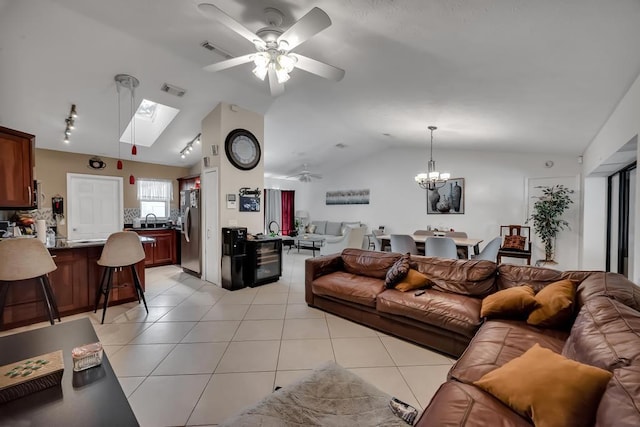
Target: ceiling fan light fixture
{"x": 260, "y": 72}
{"x": 282, "y": 75}
{"x": 287, "y": 62}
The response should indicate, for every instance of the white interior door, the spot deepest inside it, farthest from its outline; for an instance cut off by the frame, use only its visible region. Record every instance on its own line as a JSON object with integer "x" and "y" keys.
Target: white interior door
{"x": 94, "y": 206}
{"x": 211, "y": 235}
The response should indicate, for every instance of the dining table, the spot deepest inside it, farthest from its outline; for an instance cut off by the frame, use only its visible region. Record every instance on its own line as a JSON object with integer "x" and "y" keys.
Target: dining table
{"x": 462, "y": 243}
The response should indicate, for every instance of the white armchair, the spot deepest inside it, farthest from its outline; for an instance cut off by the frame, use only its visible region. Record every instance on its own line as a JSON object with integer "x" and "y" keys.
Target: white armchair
{"x": 352, "y": 238}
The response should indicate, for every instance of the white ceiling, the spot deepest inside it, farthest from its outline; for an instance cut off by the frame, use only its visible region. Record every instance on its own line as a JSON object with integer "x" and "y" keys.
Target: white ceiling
{"x": 502, "y": 75}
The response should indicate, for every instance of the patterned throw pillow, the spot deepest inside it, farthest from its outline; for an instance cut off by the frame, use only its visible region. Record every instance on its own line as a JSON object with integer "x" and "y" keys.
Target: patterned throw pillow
{"x": 514, "y": 242}
{"x": 398, "y": 271}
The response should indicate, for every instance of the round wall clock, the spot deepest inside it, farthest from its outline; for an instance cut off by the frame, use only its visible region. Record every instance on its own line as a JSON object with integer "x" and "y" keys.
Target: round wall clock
{"x": 243, "y": 149}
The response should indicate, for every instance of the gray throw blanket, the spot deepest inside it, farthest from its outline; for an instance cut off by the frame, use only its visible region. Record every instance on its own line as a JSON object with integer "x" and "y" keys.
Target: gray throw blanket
{"x": 329, "y": 396}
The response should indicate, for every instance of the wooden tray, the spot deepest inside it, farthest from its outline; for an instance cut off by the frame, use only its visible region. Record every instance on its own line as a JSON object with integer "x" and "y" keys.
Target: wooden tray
{"x": 28, "y": 376}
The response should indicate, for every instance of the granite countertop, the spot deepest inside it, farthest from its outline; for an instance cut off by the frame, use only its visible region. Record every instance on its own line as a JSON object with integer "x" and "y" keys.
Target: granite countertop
{"x": 85, "y": 243}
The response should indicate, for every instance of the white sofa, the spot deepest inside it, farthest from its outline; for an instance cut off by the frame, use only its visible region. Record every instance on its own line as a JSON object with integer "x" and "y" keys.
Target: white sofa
{"x": 352, "y": 238}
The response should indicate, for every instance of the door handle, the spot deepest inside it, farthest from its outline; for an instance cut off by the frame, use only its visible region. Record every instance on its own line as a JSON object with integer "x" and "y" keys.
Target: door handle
{"x": 29, "y": 193}
{"x": 208, "y": 233}
{"x": 187, "y": 224}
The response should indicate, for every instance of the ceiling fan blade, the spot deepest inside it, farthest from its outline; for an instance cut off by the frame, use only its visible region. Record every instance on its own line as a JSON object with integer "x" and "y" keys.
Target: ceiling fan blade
{"x": 276, "y": 88}
{"x": 213, "y": 12}
{"x": 314, "y": 176}
{"x": 319, "y": 68}
{"x": 223, "y": 65}
{"x": 306, "y": 27}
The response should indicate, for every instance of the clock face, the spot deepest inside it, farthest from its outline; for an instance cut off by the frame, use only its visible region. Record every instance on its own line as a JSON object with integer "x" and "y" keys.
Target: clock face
{"x": 243, "y": 149}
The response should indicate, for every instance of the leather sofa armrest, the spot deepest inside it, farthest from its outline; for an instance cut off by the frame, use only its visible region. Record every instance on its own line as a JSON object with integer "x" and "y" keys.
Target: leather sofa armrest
{"x": 316, "y": 267}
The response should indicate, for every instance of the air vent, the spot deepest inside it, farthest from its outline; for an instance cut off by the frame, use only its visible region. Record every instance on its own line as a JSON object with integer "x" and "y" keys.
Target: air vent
{"x": 341, "y": 145}
{"x": 207, "y": 45}
{"x": 173, "y": 90}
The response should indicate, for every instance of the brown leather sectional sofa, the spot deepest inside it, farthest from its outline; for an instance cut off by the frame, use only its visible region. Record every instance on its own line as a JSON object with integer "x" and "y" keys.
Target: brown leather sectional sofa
{"x": 605, "y": 333}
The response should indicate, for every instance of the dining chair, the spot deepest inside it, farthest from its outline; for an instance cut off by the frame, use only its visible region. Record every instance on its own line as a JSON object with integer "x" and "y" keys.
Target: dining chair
{"x": 403, "y": 243}
{"x": 490, "y": 251}
{"x": 423, "y": 233}
{"x": 519, "y": 247}
{"x": 443, "y": 247}
{"x": 377, "y": 244}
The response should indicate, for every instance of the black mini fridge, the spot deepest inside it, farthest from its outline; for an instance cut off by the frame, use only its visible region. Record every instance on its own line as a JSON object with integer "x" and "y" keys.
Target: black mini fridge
{"x": 234, "y": 254}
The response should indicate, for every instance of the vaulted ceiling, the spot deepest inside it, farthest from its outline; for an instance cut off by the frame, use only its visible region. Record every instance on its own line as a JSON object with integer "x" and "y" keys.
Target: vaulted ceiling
{"x": 502, "y": 75}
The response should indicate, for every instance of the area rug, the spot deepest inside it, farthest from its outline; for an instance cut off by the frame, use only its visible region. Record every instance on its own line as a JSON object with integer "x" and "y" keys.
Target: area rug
{"x": 329, "y": 396}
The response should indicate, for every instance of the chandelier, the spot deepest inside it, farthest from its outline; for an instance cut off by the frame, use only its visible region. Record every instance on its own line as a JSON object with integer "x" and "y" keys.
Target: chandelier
{"x": 432, "y": 179}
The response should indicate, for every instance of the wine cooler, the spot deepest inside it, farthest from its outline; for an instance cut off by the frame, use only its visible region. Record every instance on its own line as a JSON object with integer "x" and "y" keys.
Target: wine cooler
{"x": 264, "y": 261}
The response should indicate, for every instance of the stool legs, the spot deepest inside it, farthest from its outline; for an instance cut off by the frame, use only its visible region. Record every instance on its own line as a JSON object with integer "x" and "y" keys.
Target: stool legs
{"x": 104, "y": 289}
{"x": 4, "y": 289}
{"x": 139, "y": 291}
{"x": 50, "y": 299}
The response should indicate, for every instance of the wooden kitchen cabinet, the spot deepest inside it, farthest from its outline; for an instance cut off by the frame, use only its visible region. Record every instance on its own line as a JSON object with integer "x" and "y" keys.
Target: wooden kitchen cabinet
{"x": 16, "y": 169}
{"x": 163, "y": 251}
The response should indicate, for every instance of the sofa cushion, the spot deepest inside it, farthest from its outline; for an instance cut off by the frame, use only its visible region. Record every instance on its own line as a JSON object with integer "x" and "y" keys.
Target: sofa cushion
{"x": 548, "y": 387}
{"x": 444, "y": 310}
{"x": 349, "y": 287}
{"x": 311, "y": 228}
{"x": 514, "y": 242}
{"x": 499, "y": 341}
{"x": 606, "y": 334}
{"x": 413, "y": 280}
{"x": 510, "y": 275}
{"x": 321, "y": 226}
{"x": 368, "y": 263}
{"x": 457, "y": 404}
{"x": 555, "y": 305}
{"x": 619, "y": 405}
{"x": 398, "y": 271}
{"x": 509, "y": 303}
{"x": 612, "y": 285}
{"x": 464, "y": 277}
{"x": 333, "y": 228}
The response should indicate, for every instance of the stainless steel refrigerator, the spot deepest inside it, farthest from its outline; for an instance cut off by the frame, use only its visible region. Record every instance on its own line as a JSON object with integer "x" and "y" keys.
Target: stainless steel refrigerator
{"x": 191, "y": 220}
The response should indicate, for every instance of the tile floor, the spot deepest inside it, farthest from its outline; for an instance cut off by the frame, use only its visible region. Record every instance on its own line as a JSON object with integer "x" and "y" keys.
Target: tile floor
{"x": 202, "y": 353}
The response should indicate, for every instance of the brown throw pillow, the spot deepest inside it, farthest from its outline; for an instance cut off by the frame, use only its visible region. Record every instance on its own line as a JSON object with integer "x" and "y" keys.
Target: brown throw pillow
{"x": 398, "y": 271}
{"x": 514, "y": 242}
{"x": 512, "y": 302}
{"x": 555, "y": 305}
{"x": 548, "y": 387}
{"x": 413, "y": 280}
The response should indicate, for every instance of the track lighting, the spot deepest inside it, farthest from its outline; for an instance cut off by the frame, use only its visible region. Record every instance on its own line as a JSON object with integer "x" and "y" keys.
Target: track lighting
{"x": 70, "y": 123}
{"x": 189, "y": 147}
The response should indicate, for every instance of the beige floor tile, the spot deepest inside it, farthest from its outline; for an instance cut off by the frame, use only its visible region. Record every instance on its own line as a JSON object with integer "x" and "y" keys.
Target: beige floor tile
{"x": 389, "y": 380}
{"x": 271, "y": 298}
{"x": 249, "y": 356}
{"x": 185, "y": 313}
{"x": 276, "y": 287}
{"x": 139, "y": 314}
{"x": 296, "y": 297}
{"x": 424, "y": 380}
{"x": 139, "y": 360}
{"x": 227, "y": 394}
{"x": 166, "y": 301}
{"x": 286, "y": 378}
{"x": 161, "y": 333}
{"x": 112, "y": 313}
{"x": 265, "y": 312}
{"x": 341, "y": 328}
{"x": 361, "y": 352}
{"x": 195, "y": 358}
{"x": 237, "y": 298}
{"x": 110, "y": 350}
{"x": 259, "y": 330}
{"x": 407, "y": 354}
{"x": 304, "y": 354}
{"x": 200, "y": 298}
{"x": 119, "y": 333}
{"x": 305, "y": 329}
{"x": 214, "y": 331}
{"x": 167, "y": 400}
{"x": 222, "y": 311}
{"x": 130, "y": 384}
{"x": 303, "y": 311}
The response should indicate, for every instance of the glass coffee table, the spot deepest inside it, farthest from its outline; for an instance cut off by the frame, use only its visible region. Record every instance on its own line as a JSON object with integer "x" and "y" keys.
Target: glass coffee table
{"x": 308, "y": 242}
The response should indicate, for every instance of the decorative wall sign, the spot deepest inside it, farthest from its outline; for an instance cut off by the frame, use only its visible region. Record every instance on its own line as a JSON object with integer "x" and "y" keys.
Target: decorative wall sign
{"x": 96, "y": 163}
{"x": 447, "y": 199}
{"x": 348, "y": 197}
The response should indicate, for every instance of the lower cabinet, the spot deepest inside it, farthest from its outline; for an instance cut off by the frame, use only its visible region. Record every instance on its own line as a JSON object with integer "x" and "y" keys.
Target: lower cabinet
{"x": 163, "y": 251}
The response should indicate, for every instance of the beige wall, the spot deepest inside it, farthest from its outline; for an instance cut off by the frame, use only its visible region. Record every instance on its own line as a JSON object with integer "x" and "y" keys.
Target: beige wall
{"x": 52, "y": 168}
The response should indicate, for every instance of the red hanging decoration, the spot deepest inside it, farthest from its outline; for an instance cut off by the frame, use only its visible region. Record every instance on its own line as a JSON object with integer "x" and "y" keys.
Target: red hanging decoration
{"x": 132, "y": 179}
{"x": 119, "y": 164}
{"x": 134, "y": 150}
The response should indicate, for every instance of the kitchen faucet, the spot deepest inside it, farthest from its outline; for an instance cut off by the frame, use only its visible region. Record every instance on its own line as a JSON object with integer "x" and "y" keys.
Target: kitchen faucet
{"x": 146, "y": 220}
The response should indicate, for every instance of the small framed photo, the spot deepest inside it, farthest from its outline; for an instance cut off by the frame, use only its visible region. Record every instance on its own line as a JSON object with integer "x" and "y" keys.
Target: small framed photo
{"x": 249, "y": 204}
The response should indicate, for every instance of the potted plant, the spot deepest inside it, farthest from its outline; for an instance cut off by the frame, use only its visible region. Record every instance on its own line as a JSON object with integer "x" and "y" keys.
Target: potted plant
{"x": 547, "y": 213}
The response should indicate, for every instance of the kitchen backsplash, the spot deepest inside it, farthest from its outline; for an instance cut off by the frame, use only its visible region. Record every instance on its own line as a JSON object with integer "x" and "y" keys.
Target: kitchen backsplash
{"x": 129, "y": 215}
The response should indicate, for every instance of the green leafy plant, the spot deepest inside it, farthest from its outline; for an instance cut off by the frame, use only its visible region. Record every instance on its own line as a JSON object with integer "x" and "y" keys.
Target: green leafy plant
{"x": 547, "y": 213}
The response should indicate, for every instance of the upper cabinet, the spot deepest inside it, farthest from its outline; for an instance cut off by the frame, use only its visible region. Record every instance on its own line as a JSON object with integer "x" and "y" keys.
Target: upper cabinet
{"x": 16, "y": 169}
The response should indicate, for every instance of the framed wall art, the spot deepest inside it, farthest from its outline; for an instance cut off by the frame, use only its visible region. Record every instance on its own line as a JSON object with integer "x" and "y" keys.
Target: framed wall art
{"x": 348, "y": 197}
{"x": 249, "y": 204}
{"x": 447, "y": 198}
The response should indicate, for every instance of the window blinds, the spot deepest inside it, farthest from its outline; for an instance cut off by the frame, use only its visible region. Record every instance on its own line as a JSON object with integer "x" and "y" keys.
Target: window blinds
{"x": 155, "y": 189}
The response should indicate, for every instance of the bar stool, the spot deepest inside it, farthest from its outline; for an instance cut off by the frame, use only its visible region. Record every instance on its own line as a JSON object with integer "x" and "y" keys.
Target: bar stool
{"x": 123, "y": 249}
{"x": 22, "y": 259}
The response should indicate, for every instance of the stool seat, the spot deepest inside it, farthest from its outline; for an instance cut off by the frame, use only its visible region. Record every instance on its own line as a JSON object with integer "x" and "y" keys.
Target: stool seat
{"x": 22, "y": 259}
{"x": 123, "y": 249}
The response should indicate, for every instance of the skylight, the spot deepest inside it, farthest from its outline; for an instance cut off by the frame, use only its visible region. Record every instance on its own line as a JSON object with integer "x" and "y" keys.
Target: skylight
{"x": 151, "y": 119}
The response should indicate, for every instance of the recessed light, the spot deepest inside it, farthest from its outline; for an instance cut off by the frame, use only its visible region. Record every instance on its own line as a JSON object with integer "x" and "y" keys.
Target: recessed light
{"x": 341, "y": 145}
{"x": 386, "y": 134}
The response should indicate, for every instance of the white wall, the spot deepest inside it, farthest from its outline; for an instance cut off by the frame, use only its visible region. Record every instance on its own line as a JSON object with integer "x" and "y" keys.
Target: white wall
{"x": 621, "y": 127}
{"x": 494, "y": 190}
{"x": 594, "y": 223}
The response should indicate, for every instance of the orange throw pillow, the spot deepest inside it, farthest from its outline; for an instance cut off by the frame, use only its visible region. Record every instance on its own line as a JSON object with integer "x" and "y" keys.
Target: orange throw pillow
{"x": 512, "y": 302}
{"x": 548, "y": 388}
{"x": 555, "y": 305}
{"x": 413, "y": 280}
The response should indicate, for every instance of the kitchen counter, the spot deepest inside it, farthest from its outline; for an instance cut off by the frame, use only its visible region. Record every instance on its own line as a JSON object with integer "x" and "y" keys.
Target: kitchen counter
{"x": 74, "y": 283}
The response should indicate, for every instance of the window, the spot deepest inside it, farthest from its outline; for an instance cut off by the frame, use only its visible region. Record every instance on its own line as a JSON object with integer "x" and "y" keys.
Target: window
{"x": 155, "y": 197}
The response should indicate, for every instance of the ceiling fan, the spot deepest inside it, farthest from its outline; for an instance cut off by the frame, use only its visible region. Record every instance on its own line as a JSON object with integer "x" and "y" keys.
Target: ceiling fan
{"x": 273, "y": 56}
{"x": 305, "y": 175}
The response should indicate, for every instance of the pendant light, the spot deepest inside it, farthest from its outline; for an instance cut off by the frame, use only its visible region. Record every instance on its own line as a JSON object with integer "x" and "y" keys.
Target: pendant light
{"x": 431, "y": 179}
{"x": 130, "y": 82}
